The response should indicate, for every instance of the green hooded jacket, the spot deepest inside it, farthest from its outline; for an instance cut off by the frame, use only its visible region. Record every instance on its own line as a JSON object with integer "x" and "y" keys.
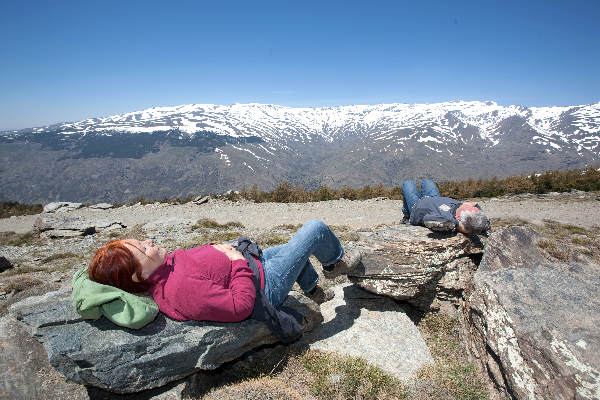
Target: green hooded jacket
{"x": 93, "y": 300}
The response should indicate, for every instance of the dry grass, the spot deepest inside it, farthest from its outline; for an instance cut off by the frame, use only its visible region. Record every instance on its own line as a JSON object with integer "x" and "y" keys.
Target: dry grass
{"x": 16, "y": 239}
{"x": 344, "y": 377}
{"x": 271, "y": 239}
{"x": 567, "y": 242}
{"x": 288, "y": 227}
{"x": 21, "y": 284}
{"x": 291, "y": 372}
{"x": 265, "y": 388}
{"x": 58, "y": 256}
{"x": 339, "y": 228}
{"x": 555, "y": 249}
{"x": 203, "y": 239}
{"x": 583, "y": 241}
{"x": 24, "y": 269}
{"x": 212, "y": 224}
{"x": 28, "y": 269}
{"x": 452, "y": 376}
{"x": 504, "y": 222}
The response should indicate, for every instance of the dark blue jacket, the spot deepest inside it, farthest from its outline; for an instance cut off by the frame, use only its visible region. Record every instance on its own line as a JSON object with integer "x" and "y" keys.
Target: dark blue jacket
{"x": 436, "y": 213}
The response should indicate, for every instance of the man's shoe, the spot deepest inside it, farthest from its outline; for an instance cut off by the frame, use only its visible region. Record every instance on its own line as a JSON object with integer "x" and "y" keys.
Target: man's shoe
{"x": 348, "y": 263}
{"x": 319, "y": 296}
{"x": 404, "y": 220}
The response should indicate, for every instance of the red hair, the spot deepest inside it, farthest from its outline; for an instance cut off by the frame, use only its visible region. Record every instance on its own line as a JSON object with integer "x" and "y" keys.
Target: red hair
{"x": 114, "y": 264}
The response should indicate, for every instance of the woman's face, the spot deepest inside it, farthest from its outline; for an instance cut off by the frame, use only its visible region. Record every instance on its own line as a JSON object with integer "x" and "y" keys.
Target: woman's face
{"x": 150, "y": 256}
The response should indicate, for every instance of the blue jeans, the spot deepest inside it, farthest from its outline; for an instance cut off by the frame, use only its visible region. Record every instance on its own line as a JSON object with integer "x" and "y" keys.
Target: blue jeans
{"x": 411, "y": 194}
{"x": 283, "y": 265}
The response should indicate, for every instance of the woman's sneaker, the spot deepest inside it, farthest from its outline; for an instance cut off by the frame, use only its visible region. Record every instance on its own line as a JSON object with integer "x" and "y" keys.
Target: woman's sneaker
{"x": 348, "y": 263}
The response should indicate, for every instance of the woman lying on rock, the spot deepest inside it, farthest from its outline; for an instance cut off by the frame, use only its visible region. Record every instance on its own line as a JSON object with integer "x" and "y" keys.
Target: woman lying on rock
{"x": 215, "y": 282}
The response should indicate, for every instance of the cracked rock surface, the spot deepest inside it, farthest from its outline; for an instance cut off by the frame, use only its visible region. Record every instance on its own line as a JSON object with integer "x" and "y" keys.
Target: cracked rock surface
{"x": 534, "y": 324}
{"x": 428, "y": 269}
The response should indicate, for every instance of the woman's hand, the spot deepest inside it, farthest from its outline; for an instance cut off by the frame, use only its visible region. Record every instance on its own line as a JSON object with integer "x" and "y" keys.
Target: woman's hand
{"x": 229, "y": 251}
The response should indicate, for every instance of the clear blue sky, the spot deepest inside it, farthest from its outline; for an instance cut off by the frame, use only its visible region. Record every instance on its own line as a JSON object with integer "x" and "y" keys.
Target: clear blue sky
{"x": 66, "y": 61}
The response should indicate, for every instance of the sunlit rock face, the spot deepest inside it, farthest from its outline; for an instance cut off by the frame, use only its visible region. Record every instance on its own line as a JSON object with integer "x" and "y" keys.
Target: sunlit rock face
{"x": 201, "y": 148}
{"x": 534, "y": 324}
{"x": 429, "y": 270}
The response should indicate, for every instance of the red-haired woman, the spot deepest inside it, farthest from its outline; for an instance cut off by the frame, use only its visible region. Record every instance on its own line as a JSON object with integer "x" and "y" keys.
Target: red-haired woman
{"x": 214, "y": 282}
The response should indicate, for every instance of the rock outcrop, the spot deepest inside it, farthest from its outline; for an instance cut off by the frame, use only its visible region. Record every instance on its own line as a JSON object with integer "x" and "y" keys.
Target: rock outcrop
{"x": 61, "y": 206}
{"x": 428, "y": 269}
{"x": 59, "y": 226}
{"x": 101, "y": 354}
{"x": 534, "y": 324}
{"x": 361, "y": 324}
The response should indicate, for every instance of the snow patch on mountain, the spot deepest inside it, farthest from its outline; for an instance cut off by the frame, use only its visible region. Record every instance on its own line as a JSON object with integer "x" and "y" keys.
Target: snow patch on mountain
{"x": 277, "y": 127}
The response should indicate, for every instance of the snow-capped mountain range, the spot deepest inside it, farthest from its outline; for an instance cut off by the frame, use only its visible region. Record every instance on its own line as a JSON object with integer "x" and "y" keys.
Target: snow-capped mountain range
{"x": 245, "y": 144}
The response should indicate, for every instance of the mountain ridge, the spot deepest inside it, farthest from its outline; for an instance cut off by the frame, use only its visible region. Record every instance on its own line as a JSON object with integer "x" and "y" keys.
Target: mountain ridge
{"x": 201, "y": 148}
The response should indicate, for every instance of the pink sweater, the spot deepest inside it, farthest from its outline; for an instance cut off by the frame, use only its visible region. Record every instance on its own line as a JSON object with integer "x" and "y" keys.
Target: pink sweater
{"x": 204, "y": 285}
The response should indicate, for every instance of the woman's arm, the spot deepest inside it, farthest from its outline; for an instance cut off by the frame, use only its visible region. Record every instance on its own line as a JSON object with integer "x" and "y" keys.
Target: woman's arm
{"x": 203, "y": 299}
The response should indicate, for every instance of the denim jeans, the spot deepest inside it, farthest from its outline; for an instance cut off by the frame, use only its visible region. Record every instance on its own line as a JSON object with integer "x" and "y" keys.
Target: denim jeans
{"x": 283, "y": 265}
{"x": 411, "y": 194}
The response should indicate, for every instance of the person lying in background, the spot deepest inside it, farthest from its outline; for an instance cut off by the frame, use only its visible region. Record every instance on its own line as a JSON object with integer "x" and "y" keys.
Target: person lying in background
{"x": 215, "y": 282}
{"x": 427, "y": 208}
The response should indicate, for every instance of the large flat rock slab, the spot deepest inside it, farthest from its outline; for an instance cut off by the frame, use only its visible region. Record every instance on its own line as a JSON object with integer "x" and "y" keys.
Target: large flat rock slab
{"x": 360, "y": 324}
{"x": 534, "y": 324}
{"x": 414, "y": 264}
{"x": 104, "y": 355}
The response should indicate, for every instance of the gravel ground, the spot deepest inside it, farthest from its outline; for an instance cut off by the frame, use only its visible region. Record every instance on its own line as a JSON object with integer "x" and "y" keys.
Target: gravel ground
{"x": 582, "y": 209}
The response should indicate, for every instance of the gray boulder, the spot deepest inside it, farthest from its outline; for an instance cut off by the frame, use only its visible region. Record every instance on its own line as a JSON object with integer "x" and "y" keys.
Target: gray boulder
{"x": 61, "y": 206}
{"x": 428, "y": 269}
{"x": 534, "y": 324}
{"x": 101, "y": 354}
{"x": 361, "y": 324}
{"x": 57, "y": 226}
